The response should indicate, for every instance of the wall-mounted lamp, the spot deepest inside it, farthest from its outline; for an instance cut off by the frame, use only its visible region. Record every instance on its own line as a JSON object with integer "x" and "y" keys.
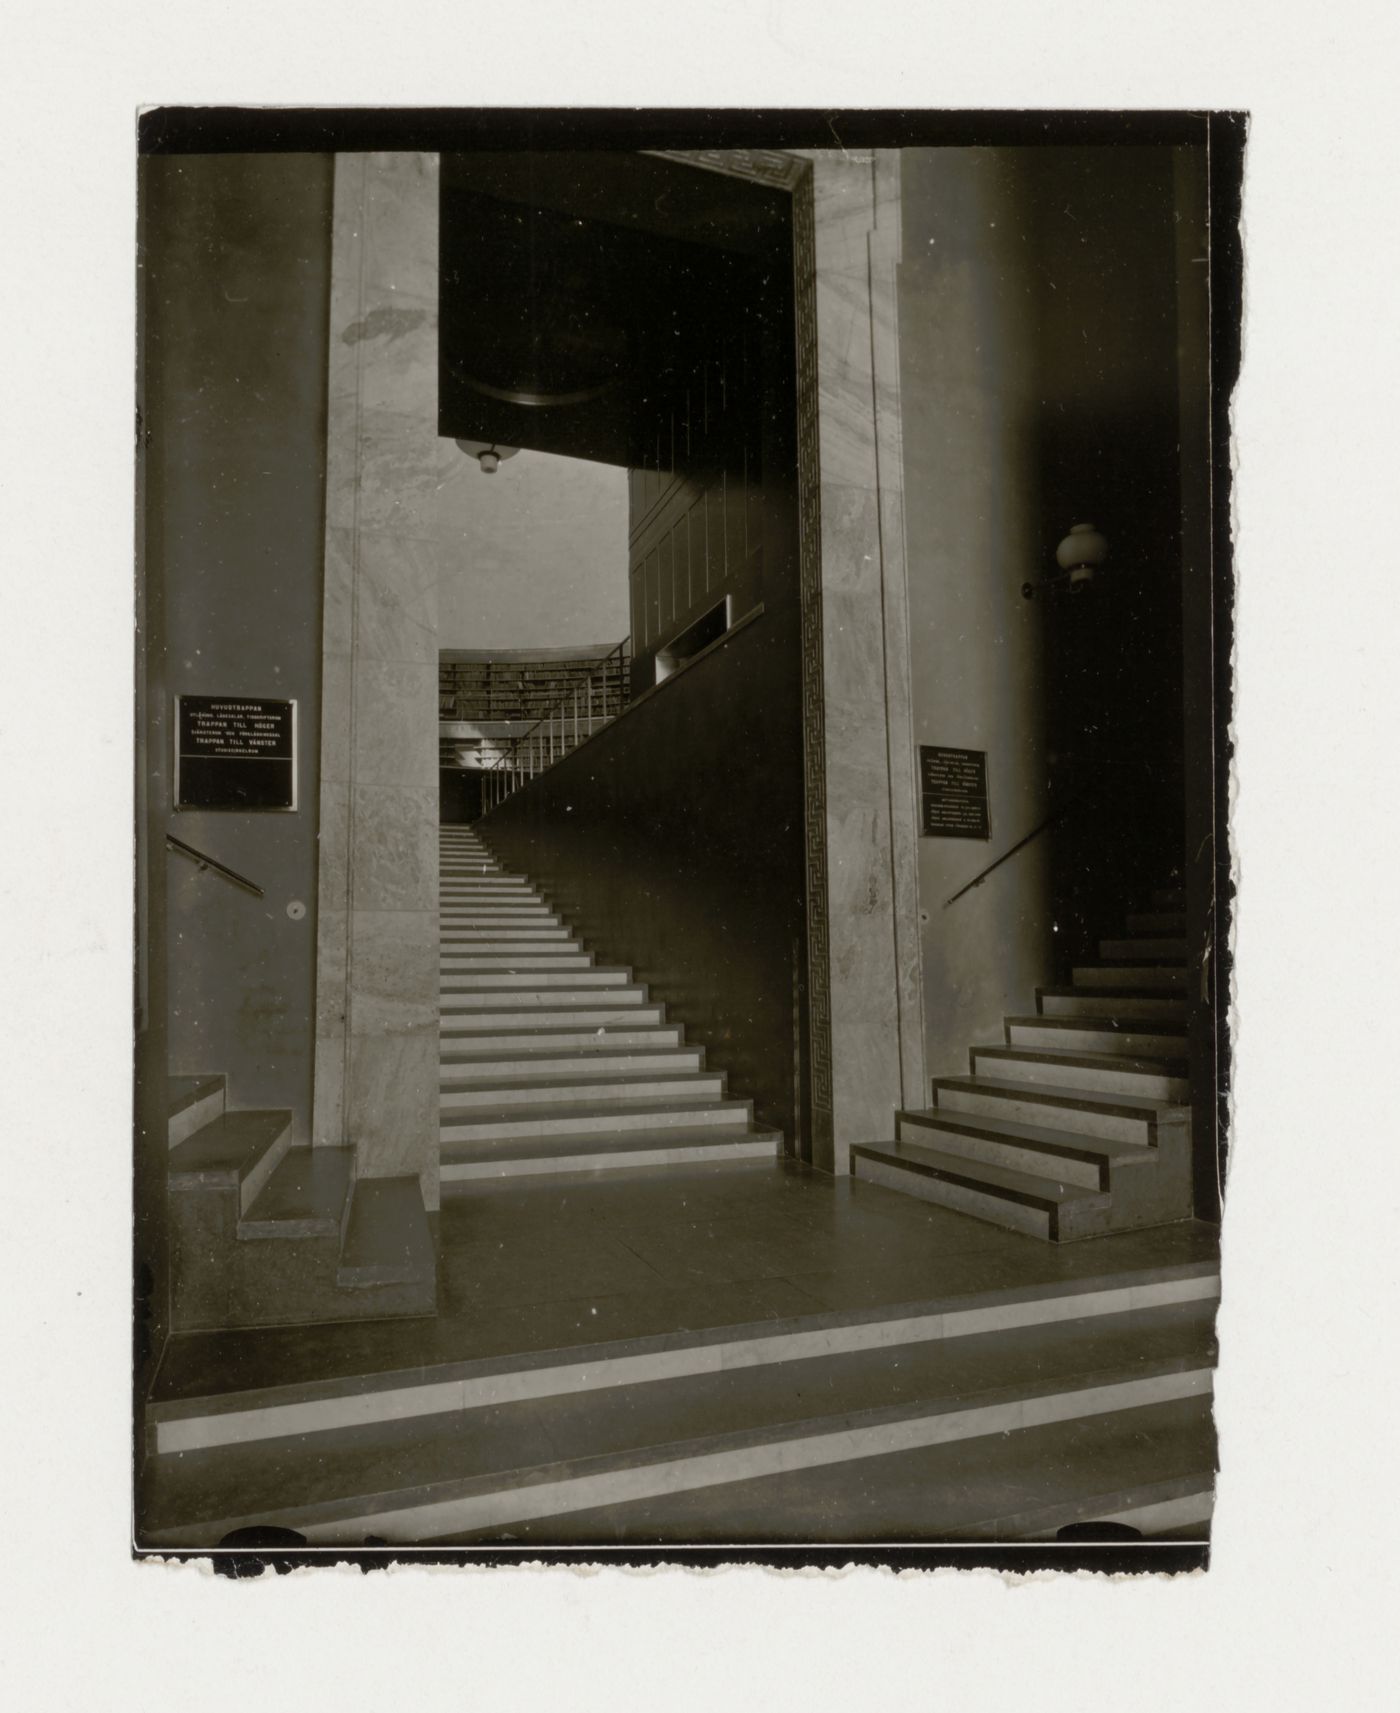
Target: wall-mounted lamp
{"x": 487, "y": 453}
{"x": 1079, "y": 556}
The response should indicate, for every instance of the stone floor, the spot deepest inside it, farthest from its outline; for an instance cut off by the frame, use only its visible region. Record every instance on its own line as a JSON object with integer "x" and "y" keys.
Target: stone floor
{"x": 547, "y": 1264}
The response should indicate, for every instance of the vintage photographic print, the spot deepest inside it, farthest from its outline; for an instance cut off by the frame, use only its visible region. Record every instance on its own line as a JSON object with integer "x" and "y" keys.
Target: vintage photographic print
{"x": 683, "y": 880}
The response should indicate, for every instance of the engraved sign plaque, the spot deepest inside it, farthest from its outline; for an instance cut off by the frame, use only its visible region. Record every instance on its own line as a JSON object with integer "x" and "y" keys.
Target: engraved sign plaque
{"x": 953, "y": 792}
{"x": 235, "y": 752}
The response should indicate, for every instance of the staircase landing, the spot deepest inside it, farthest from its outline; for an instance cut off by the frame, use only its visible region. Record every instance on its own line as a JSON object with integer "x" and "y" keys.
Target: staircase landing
{"x": 620, "y": 1317}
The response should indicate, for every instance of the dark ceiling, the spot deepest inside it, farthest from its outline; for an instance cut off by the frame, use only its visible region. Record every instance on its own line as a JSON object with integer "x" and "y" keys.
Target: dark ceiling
{"x": 576, "y": 289}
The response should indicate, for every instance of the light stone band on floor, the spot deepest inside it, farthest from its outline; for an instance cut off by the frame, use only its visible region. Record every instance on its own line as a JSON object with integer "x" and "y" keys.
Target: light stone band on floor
{"x": 496, "y": 1509}
{"x": 362, "y": 1409}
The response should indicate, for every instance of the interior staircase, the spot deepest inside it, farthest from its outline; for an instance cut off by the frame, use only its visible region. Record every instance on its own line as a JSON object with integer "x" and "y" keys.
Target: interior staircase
{"x": 552, "y": 1063}
{"x": 1078, "y": 1122}
{"x": 265, "y": 1234}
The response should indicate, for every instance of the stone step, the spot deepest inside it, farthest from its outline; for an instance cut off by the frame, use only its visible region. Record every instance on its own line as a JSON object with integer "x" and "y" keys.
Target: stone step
{"x": 1157, "y": 922}
{"x": 1106, "y": 1073}
{"x": 1145, "y": 1036}
{"x": 588, "y": 1059}
{"x": 388, "y": 1240}
{"x": 1139, "y": 975}
{"x": 1116, "y": 1118}
{"x": 219, "y": 1153}
{"x": 589, "y": 1121}
{"x": 1143, "y": 947}
{"x": 1020, "y": 1201}
{"x": 486, "y": 891}
{"x": 304, "y": 1197}
{"x": 584, "y": 976}
{"x": 493, "y": 895}
{"x": 566, "y": 957}
{"x": 624, "y": 1008}
{"x": 499, "y": 1469}
{"x": 503, "y": 934}
{"x": 201, "y": 1405}
{"x": 552, "y": 1156}
{"x": 236, "y": 1151}
{"x": 193, "y": 1101}
{"x": 1125, "y": 1003}
{"x": 468, "y": 1047}
{"x": 1087, "y": 1162}
{"x": 531, "y": 1090}
{"x": 503, "y": 916}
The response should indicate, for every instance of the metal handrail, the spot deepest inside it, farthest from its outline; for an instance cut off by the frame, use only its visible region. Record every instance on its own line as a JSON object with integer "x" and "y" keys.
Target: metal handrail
{"x": 562, "y": 729}
{"x": 205, "y": 861}
{"x": 1035, "y": 832}
{"x": 1051, "y": 820}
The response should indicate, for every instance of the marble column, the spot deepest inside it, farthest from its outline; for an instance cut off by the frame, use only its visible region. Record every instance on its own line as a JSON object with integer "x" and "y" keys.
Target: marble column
{"x": 376, "y": 1085}
{"x": 877, "y": 1036}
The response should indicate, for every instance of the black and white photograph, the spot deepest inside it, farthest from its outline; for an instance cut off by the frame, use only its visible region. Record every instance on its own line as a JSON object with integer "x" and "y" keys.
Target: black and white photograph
{"x": 684, "y": 882}
{"x": 697, "y": 712}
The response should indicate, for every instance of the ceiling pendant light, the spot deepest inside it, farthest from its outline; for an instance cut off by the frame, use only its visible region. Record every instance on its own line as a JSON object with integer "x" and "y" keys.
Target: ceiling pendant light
{"x": 487, "y": 453}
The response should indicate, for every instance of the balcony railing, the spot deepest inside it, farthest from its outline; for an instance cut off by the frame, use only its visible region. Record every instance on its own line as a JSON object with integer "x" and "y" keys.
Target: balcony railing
{"x": 589, "y": 703}
{"x": 513, "y": 686}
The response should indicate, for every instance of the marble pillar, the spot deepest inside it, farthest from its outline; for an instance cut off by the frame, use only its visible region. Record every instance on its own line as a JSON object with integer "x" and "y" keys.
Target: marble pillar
{"x": 876, "y": 1008}
{"x": 376, "y": 1085}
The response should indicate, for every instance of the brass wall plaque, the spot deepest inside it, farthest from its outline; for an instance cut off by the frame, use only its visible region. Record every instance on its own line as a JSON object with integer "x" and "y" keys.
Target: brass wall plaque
{"x": 235, "y": 752}
{"x": 953, "y": 793}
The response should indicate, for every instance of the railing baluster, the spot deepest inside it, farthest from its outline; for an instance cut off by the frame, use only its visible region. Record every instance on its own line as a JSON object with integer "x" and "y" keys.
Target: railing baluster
{"x": 577, "y": 712}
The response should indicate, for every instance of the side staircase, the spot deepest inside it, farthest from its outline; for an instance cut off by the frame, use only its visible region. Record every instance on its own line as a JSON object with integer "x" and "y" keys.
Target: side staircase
{"x": 1078, "y": 1123}
{"x": 265, "y": 1234}
{"x": 552, "y": 1063}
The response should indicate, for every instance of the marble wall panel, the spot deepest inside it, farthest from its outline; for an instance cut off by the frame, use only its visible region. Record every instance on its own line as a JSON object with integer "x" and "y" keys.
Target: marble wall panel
{"x": 398, "y": 362}
{"x": 332, "y": 988}
{"x": 400, "y": 222}
{"x": 376, "y": 1058}
{"x": 393, "y": 847}
{"x": 392, "y": 1099}
{"x": 871, "y": 850}
{"x": 338, "y": 596}
{"x": 395, "y": 739}
{"x": 328, "y": 1113}
{"x": 394, "y": 979}
{"x": 396, "y": 607}
{"x": 337, "y": 679}
{"x": 334, "y": 841}
{"x": 401, "y": 466}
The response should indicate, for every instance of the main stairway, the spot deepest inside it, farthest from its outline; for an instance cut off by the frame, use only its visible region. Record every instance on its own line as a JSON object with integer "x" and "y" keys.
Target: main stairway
{"x": 552, "y": 1063}
{"x": 1077, "y": 1123}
